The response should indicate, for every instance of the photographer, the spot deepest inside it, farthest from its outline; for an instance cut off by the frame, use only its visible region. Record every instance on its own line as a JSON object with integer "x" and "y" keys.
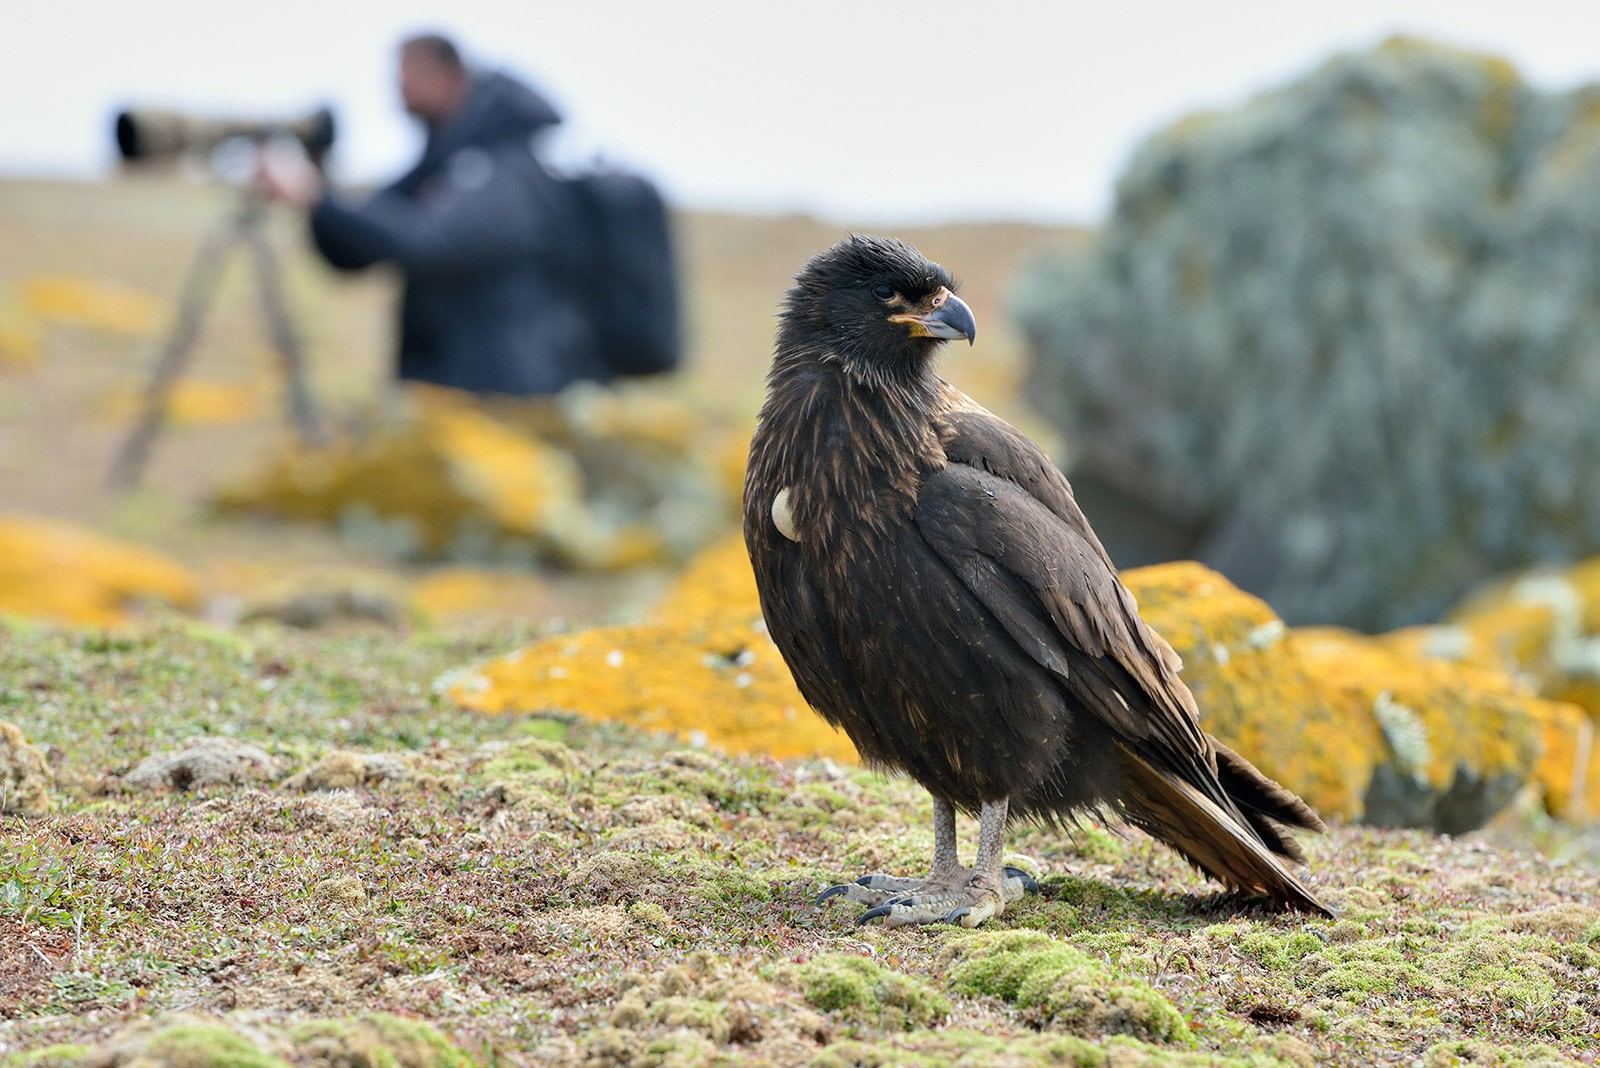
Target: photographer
{"x": 480, "y": 229}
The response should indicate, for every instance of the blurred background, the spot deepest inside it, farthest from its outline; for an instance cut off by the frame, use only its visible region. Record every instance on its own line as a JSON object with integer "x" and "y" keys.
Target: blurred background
{"x": 1310, "y": 295}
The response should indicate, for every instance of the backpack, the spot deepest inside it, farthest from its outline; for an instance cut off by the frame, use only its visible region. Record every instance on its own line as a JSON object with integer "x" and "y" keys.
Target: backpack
{"x": 628, "y": 281}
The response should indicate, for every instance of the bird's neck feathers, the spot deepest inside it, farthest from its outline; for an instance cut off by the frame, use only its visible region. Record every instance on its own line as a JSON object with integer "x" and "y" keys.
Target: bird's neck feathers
{"x": 853, "y": 452}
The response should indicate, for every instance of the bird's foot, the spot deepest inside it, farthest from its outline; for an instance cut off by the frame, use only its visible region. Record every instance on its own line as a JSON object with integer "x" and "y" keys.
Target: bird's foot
{"x": 963, "y": 897}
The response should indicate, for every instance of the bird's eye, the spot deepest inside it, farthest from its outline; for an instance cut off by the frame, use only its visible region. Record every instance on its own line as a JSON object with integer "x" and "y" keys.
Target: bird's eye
{"x": 883, "y": 292}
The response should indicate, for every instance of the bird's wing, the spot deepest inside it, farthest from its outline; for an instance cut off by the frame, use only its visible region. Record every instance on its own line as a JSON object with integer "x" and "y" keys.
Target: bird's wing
{"x": 1003, "y": 517}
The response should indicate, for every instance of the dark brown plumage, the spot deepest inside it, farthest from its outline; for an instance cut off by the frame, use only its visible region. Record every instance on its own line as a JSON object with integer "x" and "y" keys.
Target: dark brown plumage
{"x": 937, "y": 594}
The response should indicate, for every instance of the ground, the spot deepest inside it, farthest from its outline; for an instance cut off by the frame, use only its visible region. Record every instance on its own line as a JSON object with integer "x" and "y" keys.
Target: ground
{"x": 544, "y": 891}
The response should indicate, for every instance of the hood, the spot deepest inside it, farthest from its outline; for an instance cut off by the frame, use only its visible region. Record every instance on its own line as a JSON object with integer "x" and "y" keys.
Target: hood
{"x": 499, "y": 109}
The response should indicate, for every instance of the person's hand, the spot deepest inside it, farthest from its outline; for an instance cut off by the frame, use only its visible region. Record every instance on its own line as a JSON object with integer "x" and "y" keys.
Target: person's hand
{"x": 284, "y": 174}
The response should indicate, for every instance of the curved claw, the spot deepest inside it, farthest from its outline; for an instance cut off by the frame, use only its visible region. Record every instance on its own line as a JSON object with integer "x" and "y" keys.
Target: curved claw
{"x": 1029, "y": 883}
{"x": 955, "y": 915}
{"x": 872, "y": 914}
{"x": 833, "y": 891}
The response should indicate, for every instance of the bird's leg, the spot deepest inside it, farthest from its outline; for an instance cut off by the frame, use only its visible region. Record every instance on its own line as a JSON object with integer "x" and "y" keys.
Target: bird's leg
{"x": 950, "y": 893}
{"x": 946, "y": 872}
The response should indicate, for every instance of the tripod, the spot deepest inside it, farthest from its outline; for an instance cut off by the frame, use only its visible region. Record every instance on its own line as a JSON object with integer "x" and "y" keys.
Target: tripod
{"x": 199, "y": 287}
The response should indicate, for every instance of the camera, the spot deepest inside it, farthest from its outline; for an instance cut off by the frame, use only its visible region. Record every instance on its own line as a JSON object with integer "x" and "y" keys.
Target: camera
{"x": 151, "y": 135}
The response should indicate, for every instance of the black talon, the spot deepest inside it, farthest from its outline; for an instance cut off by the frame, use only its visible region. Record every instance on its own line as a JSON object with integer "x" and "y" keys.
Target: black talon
{"x": 872, "y": 914}
{"x": 1030, "y": 885}
{"x": 956, "y": 914}
{"x": 833, "y": 891}
{"x": 866, "y": 881}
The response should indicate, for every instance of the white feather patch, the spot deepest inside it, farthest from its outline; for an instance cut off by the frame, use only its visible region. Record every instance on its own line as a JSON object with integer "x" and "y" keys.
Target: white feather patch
{"x": 783, "y": 515}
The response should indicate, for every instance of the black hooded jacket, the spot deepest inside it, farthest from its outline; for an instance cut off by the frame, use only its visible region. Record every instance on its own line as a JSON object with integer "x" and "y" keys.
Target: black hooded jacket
{"x": 485, "y": 237}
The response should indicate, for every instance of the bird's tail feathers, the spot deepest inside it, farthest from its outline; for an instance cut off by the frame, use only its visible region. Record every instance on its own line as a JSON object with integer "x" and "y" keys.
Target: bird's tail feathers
{"x": 1212, "y": 838}
{"x": 1267, "y": 806}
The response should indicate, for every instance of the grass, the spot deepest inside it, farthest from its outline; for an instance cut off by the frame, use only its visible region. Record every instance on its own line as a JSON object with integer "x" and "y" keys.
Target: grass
{"x": 539, "y": 890}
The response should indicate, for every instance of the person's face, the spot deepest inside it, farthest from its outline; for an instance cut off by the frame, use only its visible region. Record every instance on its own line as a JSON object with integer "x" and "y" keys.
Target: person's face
{"x": 429, "y": 90}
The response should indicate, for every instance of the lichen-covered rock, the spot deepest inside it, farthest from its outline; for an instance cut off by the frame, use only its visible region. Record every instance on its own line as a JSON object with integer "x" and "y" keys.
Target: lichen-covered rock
{"x": 589, "y": 479}
{"x": 311, "y": 609}
{"x": 61, "y": 572}
{"x": 1542, "y": 626}
{"x": 24, "y": 774}
{"x": 1338, "y": 342}
{"x": 1363, "y": 728}
{"x": 204, "y": 762}
{"x": 704, "y": 669}
{"x": 1457, "y": 742}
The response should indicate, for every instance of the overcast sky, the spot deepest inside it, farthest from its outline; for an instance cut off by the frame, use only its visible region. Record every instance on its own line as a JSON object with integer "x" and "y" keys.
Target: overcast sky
{"x": 857, "y": 111}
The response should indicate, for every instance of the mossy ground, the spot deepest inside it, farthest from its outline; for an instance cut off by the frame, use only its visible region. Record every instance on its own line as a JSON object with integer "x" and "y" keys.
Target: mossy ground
{"x": 548, "y": 892}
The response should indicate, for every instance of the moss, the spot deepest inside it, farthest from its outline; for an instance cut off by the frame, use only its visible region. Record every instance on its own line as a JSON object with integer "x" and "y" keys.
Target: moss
{"x": 1278, "y": 952}
{"x": 861, "y": 991}
{"x": 958, "y": 1048}
{"x": 1063, "y": 986}
{"x": 25, "y": 778}
{"x": 189, "y": 1043}
{"x": 535, "y": 758}
{"x": 376, "y": 1040}
{"x": 63, "y": 1055}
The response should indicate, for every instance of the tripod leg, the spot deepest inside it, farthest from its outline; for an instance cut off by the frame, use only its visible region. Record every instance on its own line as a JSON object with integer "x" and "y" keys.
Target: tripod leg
{"x": 199, "y": 286}
{"x": 270, "y": 286}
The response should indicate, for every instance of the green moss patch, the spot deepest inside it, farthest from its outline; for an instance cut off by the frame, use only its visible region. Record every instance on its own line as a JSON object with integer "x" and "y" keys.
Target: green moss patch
{"x": 861, "y": 991}
{"x": 1059, "y": 985}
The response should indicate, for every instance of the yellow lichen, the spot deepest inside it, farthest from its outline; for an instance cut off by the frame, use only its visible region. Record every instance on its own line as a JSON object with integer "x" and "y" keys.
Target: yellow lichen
{"x": 58, "y": 571}
{"x": 450, "y": 592}
{"x": 452, "y": 476}
{"x": 193, "y": 402}
{"x": 1544, "y": 626}
{"x": 1463, "y": 716}
{"x": 704, "y": 669}
{"x": 95, "y": 303}
{"x": 20, "y": 343}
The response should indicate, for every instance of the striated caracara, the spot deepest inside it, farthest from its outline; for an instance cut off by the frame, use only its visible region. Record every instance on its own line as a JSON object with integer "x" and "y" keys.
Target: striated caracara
{"x": 938, "y": 594}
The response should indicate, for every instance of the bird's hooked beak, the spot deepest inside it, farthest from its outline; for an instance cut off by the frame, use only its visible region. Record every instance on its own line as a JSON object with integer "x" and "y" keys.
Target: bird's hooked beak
{"x": 947, "y": 318}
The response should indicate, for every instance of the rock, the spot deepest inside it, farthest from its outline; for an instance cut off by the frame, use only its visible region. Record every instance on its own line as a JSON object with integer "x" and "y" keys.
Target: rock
{"x": 1542, "y": 626}
{"x": 1362, "y": 728}
{"x": 593, "y": 478}
{"x": 24, "y": 774}
{"x": 704, "y": 669}
{"x": 314, "y": 609}
{"x": 204, "y": 762}
{"x": 1338, "y": 342}
{"x": 61, "y": 572}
